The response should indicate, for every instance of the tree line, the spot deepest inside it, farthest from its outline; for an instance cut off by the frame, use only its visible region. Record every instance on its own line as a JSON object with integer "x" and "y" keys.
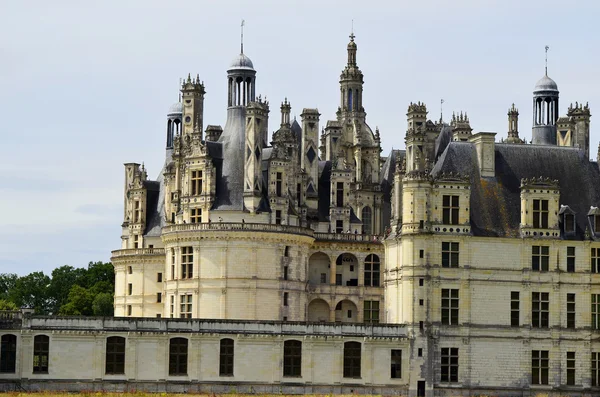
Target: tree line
{"x": 69, "y": 291}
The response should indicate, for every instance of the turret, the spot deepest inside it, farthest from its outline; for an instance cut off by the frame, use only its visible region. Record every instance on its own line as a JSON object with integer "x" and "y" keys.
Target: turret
{"x": 513, "y": 125}
{"x": 174, "y": 116}
{"x": 461, "y": 127}
{"x": 580, "y": 118}
{"x": 415, "y": 136}
{"x": 192, "y": 91}
{"x": 256, "y": 114}
{"x": 545, "y": 112}
{"x": 351, "y": 85}
{"x": 309, "y": 161}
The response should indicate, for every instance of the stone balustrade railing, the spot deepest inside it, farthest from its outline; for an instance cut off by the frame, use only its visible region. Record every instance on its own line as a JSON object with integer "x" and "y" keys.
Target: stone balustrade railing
{"x": 360, "y": 238}
{"x": 237, "y": 227}
{"x": 137, "y": 251}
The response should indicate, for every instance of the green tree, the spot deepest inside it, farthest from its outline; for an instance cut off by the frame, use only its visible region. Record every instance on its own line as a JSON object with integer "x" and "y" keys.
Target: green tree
{"x": 103, "y": 304}
{"x": 63, "y": 279}
{"x": 79, "y": 302}
{"x": 7, "y": 305}
{"x": 31, "y": 291}
{"x": 7, "y": 283}
{"x": 100, "y": 272}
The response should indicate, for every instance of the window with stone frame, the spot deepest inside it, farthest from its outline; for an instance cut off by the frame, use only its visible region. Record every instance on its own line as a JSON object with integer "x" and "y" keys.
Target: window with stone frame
{"x": 540, "y": 258}
{"x": 137, "y": 211}
{"x": 450, "y": 306}
{"x": 292, "y": 358}
{"x": 187, "y": 262}
{"x": 196, "y": 215}
{"x": 226, "y": 357}
{"x": 450, "y": 254}
{"x": 178, "y": 356}
{"x": 196, "y": 183}
{"x": 185, "y": 306}
{"x": 172, "y": 306}
{"x": 372, "y": 271}
{"x": 115, "y": 355}
{"x": 371, "y": 312}
{"x": 396, "y": 364}
{"x": 595, "y": 369}
{"x": 595, "y": 260}
{"x": 339, "y": 194}
{"x": 596, "y": 223}
{"x": 449, "y": 364}
{"x": 279, "y": 184}
{"x": 540, "y": 214}
{"x": 450, "y": 209}
{"x": 570, "y": 259}
{"x": 514, "y": 309}
{"x": 352, "y": 359}
{"x": 570, "y": 368}
{"x": 539, "y": 367}
{"x": 570, "y": 310}
{"x": 540, "y": 309}
{"x": 41, "y": 352}
{"x": 172, "y": 264}
{"x": 595, "y": 311}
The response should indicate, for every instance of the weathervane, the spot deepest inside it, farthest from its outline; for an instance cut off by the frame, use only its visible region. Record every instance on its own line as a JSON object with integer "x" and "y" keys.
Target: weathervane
{"x": 242, "y": 37}
{"x": 352, "y": 31}
{"x": 547, "y": 48}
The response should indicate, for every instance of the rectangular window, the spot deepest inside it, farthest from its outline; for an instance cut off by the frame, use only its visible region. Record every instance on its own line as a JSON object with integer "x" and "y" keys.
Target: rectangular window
{"x": 371, "y": 312}
{"x": 323, "y": 278}
{"x": 449, "y": 254}
{"x": 339, "y": 226}
{"x": 172, "y": 264}
{"x": 570, "y": 310}
{"x": 539, "y": 367}
{"x": 420, "y": 352}
{"x": 129, "y": 289}
{"x": 540, "y": 214}
{"x": 41, "y": 351}
{"x": 129, "y": 310}
{"x": 596, "y": 223}
{"x": 449, "y": 368}
{"x": 129, "y": 270}
{"x": 178, "y": 356}
{"x": 136, "y": 241}
{"x": 115, "y": 355}
{"x": 136, "y": 211}
{"x": 187, "y": 262}
{"x": 570, "y": 368}
{"x": 540, "y": 306}
{"x": 285, "y": 298}
{"x": 196, "y": 215}
{"x": 595, "y": 311}
{"x": 159, "y": 277}
{"x": 339, "y": 194}
{"x": 595, "y": 260}
{"x": 278, "y": 217}
{"x": 450, "y": 306}
{"x": 569, "y": 223}
{"x": 285, "y": 272}
{"x": 226, "y": 357}
{"x": 185, "y": 303}
{"x": 299, "y": 193}
{"x": 196, "y": 183}
{"x": 396, "y": 364}
{"x": 292, "y": 358}
{"x": 540, "y": 258}
{"x": 421, "y": 282}
{"x": 279, "y": 184}
{"x": 372, "y": 271}
{"x": 172, "y": 306}
{"x": 352, "y": 358}
{"x": 514, "y": 308}
{"x": 570, "y": 259}
{"x": 450, "y": 210}
{"x": 338, "y": 279}
{"x": 595, "y": 369}
{"x": 158, "y": 297}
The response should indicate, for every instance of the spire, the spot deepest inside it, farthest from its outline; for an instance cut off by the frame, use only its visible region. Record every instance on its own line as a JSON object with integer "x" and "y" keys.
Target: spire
{"x": 352, "y": 48}
{"x": 441, "y": 111}
{"x": 242, "y": 38}
{"x": 547, "y": 48}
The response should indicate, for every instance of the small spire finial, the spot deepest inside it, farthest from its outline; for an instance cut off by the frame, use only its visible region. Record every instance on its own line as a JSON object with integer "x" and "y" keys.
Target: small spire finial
{"x": 180, "y": 84}
{"x": 352, "y": 31}
{"x": 441, "y": 110}
{"x": 547, "y": 48}
{"x": 242, "y": 38}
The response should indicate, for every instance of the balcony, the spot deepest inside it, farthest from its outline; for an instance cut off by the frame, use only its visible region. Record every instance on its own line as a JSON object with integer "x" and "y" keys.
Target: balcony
{"x": 358, "y": 238}
{"x": 237, "y": 227}
{"x": 138, "y": 252}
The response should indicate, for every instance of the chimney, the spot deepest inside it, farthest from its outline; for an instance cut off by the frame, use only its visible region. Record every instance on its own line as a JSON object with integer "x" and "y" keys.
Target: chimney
{"x": 486, "y": 154}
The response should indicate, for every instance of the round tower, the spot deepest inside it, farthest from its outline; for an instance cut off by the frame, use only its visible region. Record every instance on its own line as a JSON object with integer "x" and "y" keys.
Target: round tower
{"x": 241, "y": 79}
{"x": 545, "y": 111}
{"x": 174, "y": 122}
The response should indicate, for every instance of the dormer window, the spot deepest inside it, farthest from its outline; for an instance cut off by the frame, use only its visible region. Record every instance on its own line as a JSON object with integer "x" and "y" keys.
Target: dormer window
{"x": 594, "y": 220}
{"x": 450, "y": 210}
{"x": 569, "y": 223}
{"x": 567, "y": 218}
{"x": 540, "y": 214}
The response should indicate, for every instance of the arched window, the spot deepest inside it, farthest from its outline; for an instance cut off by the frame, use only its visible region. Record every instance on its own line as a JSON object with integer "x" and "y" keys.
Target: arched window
{"x": 226, "y": 356}
{"x": 178, "y": 356}
{"x": 115, "y": 355}
{"x": 366, "y": 220}
{"x": 41, "y": 350}
{"x": 8, "y": 354}
{"x": 352, "y": 360}
{"x": 350, "y": 99}
{"x": 372, "y": 265}
{"x": 292, "y": 358}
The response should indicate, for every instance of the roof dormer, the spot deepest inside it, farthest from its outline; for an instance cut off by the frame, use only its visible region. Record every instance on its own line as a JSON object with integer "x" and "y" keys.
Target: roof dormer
{"x": 566, "y": 219}
{"x": 539, "y": 207}
{"x": 594, "y": 221}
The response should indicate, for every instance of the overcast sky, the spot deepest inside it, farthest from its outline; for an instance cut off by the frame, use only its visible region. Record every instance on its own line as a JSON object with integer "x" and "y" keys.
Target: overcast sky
{"x": 85, "y": 88}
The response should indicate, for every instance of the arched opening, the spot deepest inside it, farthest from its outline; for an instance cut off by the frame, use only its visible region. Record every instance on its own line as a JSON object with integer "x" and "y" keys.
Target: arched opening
{"x": 318, "y": 269}
{"x": 226, "y": 357}
{"x": 346, "y": 271}
{"x": 366, "y": 220}
{"x": 230, "y": 100}
{"x": 41, "y": 350}
{"x": 372, "y": 271}
{"x": 350, "y": 99}
{"x": 346, "y": 312}
{"x": 8, "y": 354}
{"x": 318, "y": 311}
{"x": 169, "y": 133}
{"x": 178, "y": 356}
{"x": 352, "y": 359}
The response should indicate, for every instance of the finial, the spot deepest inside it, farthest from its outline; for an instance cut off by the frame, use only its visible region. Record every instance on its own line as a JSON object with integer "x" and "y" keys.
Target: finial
{"x": 242, "y": 38}
{"x": 441, "y": 110}
{"x": 547, "y": 48}
{"x": 352, "y": 32}
{"x": 180, "y": 84}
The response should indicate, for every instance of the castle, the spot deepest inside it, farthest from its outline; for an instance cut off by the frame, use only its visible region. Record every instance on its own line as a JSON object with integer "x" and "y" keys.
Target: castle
{"x": 311, "y": 263}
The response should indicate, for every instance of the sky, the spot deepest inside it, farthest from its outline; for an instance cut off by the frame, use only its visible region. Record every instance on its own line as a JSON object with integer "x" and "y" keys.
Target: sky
{"x": 85, "y": 87}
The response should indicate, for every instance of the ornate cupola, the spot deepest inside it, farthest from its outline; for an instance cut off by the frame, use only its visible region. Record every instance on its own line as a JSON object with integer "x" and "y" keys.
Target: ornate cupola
{"x": 351, "y": 85}
{"x": 545, "y": 109}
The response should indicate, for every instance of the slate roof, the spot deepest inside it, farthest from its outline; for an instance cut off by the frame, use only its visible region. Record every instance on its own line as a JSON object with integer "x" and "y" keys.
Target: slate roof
{"x": 495, "y": 202}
